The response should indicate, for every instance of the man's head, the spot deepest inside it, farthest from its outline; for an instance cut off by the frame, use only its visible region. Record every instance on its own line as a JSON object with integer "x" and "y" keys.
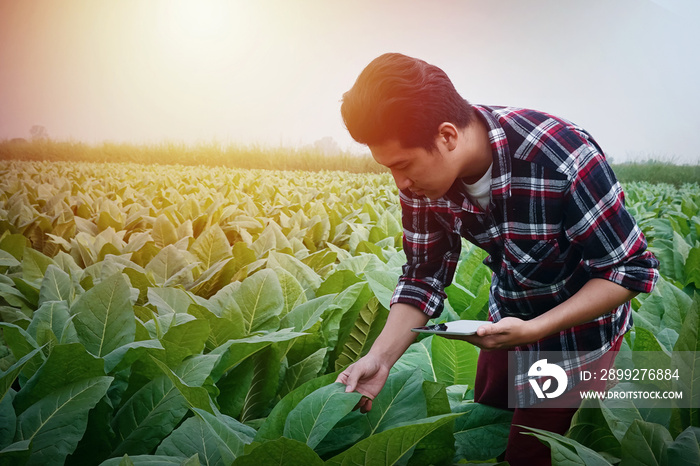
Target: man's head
{"x": 405, "y": 99}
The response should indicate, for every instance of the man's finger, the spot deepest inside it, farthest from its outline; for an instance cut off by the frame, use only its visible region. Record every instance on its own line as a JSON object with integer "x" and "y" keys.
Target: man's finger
{"x": 351, "y": 380}
{"x": 365, "y": 404}
{"x": 342, "y": 378}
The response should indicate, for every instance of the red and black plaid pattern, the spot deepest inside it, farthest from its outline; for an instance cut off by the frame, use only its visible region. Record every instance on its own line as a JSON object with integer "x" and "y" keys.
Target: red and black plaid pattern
{"x": 556, "y": 219}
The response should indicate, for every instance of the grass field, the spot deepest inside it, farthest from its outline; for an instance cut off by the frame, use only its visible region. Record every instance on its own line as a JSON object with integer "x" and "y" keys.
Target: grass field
{"x": 276, "y": 158}
{"x": 162, "y": 314}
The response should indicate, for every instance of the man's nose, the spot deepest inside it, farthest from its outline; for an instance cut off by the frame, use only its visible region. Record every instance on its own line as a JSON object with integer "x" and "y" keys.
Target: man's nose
{"x": 402, "y": 182}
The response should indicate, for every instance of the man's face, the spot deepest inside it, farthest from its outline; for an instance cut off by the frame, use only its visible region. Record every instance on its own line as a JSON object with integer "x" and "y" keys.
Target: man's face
{"x": 423, "y": 172}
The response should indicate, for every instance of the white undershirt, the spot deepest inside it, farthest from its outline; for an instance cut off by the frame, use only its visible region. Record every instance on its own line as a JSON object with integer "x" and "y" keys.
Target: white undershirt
{"x": 480, "y": 191}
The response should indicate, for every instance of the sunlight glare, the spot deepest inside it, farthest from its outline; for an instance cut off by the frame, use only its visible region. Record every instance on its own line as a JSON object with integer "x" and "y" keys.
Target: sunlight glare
{"x": 201, "y": 33}
{"x": 197, "y": 19}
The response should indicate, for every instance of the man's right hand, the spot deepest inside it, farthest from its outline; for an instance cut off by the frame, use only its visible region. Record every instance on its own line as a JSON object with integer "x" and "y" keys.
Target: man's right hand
{"x": 366, "y": 376}
{"x": 369, "y": 373}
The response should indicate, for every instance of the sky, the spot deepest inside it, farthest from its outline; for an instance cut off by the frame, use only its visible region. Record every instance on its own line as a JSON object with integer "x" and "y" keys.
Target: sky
{"x": 272, "y": 72}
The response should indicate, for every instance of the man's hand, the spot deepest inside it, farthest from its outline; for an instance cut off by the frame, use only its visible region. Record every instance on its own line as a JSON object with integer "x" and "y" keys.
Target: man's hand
{"x": 506, "y": 333}
{"x": 366, "y": 376}
{"x": 595, "y": 298}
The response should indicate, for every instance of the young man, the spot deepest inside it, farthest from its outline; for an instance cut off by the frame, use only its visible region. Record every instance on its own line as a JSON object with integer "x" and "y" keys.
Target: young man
{"x": 536, "y": 193}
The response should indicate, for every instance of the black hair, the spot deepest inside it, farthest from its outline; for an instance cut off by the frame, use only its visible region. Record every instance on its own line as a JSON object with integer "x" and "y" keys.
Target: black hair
{"x": 403, "y": 98}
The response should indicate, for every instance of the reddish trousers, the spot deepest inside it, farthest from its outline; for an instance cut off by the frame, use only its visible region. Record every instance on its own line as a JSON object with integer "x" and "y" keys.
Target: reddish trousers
{"x": 491, "y": 388}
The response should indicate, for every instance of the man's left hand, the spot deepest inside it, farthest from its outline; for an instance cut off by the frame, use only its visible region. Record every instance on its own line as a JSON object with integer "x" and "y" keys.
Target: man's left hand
{"x": 506, "y": 333}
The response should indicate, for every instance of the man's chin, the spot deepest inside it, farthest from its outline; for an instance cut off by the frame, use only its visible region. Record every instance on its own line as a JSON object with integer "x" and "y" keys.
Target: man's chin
{"x": 433, "y": 195}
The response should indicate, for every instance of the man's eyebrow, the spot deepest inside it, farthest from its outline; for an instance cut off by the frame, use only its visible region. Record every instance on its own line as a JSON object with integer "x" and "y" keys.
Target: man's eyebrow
{"x": 401, "y": 161}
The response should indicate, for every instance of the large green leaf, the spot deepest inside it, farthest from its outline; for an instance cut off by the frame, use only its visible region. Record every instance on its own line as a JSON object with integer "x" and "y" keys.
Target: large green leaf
{"x": 214, "y": 278}
{"x": 601, "y": 428}
{"x": 124, "y": 356}
{"x": 230, "y": 435}
{"x": 362, "y": 263}
{"x": 482, "y": 433}
{"x": 261, "y": 301}
{"x": 16, "y": 453}
{"x": 274, "y": 424}
{"x": 337, "y": 281}
{"x": 264, "y": 384}
{"x": 308, "y": 279}
{"x": 315, "y": 415}
{"x": 7, "y": 259}
{"x": 418, "y": 355}
{"x": 303, "y": 371}
{"x": 645, "y": 444}
{"x": 382, "y": 283}
{"x": 271, "y": 239}
{"x": 224, "y": 304}
{"x": 291, "y": 290}
{"x": 686, "y": 359}
{"x": 151, "y": 460}
{"x": 21, "y": 344}
{"x": 221, "y": 329}
{"x": 281, "y": 451}
{"x": 387, "y": 225}
{"x": 389, "y": 446}
{"x": 692, "y": 268}
{"x": 34, "y": 265}
{"x": 55, "y": 424}
{"x": 170, "y": 300}
{"x": 14, "y": 244}
{"x": 156, "y": 409}
{"x": 439, "y": 446}
{"x": 8, "y": 421}
{"x": 672, "y": 256}
{"x": 469, "y": 292}
{"x": 351, "y": 300}
{"x": 401, "y": 400}
{"x": 163, "y": 231}
{"x": 304, "y": 316}
{"x": 56, "y": 286}
{"x": 685, "y": 449}
{"x": 104, "y": 317}
{"x": 211, "y": 246}
{"x": 52, "y": 320}
{"x": 454, "y": 361}
{"x": 193, "y": 437}
{"x": 590, "y": 427}
{"x": 234, "y": 351}
{"x": 148, "y": 417}
{"x": 665, "y": 307}
{"x": 186, "y": 336}
{"x": 197, "y": 397}
{"x": 568, "y": 451}
{"x": 233, "y": 388}
{"x": 171, "y": 266}
{"x": 369, "y": 323}
{"x": 65, "y": 365}
{"x": 8, "y": 377}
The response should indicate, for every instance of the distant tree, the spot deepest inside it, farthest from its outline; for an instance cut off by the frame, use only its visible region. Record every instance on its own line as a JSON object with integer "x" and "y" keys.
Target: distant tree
{"x": 38, "y": 132}
{"x": 327, "y": 146}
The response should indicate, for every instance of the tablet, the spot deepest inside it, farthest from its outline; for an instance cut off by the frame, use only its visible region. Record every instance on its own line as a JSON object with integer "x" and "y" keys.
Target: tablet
{"x": 456, "y": 327}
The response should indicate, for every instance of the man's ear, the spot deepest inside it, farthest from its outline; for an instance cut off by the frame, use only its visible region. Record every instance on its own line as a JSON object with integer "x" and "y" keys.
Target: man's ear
{"x": 447, "y": 135}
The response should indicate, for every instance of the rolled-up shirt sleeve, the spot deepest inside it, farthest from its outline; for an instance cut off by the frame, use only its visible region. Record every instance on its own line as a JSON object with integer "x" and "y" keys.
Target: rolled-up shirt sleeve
{"x": 431, "y": 252}
{"x": 596, "y": 221}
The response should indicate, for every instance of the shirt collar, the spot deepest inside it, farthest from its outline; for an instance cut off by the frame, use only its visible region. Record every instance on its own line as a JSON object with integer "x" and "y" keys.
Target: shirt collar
{"x": 501, "y": 174}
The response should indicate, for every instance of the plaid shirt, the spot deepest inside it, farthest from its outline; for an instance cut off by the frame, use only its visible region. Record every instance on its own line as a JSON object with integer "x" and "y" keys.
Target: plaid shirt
{"x": 556, "y": 219}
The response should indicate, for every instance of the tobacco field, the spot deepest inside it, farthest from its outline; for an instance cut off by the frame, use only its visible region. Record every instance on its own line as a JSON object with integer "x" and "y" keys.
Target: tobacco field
{"x": 171, "y": 315}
